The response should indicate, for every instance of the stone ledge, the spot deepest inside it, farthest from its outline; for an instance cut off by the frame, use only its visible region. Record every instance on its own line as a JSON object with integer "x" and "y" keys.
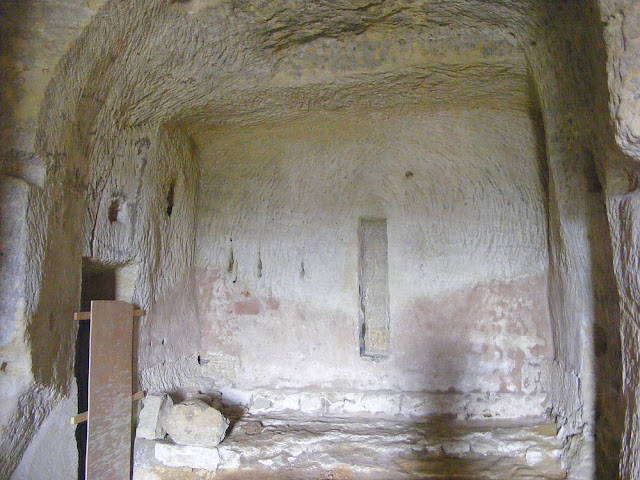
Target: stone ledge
{"x": 173, "y": 455}
{"x": 366, "y": 445}
{"x": 405, "y": 404}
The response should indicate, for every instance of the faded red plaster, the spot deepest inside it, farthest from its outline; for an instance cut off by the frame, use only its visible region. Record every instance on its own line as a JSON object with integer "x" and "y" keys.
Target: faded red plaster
{"x": 205, "y": 280}
{"x": 215, "y": 301}
{"x": 471, "y": 340}
{"x": 496, "y": 323}
{"x": 273, "y": 303}
{"x": 162, "y": 334}
{"x": 247, "y": 307}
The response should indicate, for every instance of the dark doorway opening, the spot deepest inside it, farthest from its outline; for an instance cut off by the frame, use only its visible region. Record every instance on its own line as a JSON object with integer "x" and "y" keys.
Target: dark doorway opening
{"x": 98, "y": 283}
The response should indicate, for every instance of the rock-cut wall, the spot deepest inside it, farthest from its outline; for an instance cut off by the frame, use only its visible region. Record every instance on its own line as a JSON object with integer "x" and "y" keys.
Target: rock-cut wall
{"x": 79, "y": 184}
{"x": 463, "y": 195}
{"x": 101, "y": 100}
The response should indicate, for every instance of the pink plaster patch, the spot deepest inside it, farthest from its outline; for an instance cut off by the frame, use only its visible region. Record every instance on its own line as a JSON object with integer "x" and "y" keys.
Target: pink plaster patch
{"x": 273, "y": 303}
{"x": 247, "y": 307}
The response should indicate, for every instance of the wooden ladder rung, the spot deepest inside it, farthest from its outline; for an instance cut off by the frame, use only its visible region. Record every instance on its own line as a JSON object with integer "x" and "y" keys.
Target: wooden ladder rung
{"x": 87, "y": 315}
{"x": 138, "y": 396}
{"x": 84, "y": 416}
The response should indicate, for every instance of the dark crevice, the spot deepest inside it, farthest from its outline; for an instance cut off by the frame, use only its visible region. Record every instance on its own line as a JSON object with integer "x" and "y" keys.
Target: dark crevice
{"x": 171, "y": 197}
{"x": 114, "y": 210}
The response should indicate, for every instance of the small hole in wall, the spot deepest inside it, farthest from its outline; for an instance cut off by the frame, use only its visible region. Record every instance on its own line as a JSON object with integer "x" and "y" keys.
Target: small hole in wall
{"x": 170, "y": 197}
{"x": 114, "y": 210}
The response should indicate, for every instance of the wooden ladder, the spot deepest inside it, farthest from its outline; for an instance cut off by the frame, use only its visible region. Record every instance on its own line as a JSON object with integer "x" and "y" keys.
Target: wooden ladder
{"x": 109, "y": 412}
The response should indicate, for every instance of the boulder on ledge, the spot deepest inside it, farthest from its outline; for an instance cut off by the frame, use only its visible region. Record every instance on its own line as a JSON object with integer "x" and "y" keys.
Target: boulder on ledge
{"x": 195, "y": 423}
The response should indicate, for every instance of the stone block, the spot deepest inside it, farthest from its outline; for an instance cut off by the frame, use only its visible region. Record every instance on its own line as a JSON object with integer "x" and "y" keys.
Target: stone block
{"x": 187, "y": 456}
{"x": 195, "y": 423}
{"x": 230, "y": 459}
{"x": 154, "y": 411}
{"x": 455, "y": 447}
{"x": 311, "y": 402}
{"x": 534, "y": 456}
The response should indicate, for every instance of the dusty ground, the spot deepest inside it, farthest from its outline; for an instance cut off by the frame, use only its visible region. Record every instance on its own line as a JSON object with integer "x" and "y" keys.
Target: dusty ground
{"x": 377, "y": 449}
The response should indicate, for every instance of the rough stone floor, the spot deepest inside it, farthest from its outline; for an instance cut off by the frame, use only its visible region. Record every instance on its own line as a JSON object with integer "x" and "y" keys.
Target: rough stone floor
{"x": 285, "y": 447}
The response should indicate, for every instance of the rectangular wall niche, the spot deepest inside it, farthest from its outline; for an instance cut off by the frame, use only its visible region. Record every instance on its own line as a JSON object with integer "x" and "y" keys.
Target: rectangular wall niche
{"x": 374, "y": 288}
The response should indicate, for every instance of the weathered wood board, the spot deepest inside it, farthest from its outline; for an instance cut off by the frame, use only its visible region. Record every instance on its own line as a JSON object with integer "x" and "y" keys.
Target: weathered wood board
{"x": 110, "y": 382}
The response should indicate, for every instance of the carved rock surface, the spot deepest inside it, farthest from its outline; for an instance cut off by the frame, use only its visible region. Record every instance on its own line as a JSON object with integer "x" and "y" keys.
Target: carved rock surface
{"x": 98, "y": 161}
{"x": 195, "y": 423}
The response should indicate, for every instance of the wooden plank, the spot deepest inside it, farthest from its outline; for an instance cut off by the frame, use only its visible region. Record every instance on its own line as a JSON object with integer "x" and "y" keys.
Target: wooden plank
{"x": 87, "y": 315}
{"x": 110, "y": 380}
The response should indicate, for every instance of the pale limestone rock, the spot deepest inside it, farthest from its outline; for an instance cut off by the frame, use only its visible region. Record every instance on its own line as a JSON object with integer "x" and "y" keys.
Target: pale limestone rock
{"x": 229, "y": 457}
{"x": 187, "y": 456}
{"x": 455, "y": 448}
{"x": 50, "y": 454}
{"x": 310, "y": 403}
{"x": 534, "y": 456}
{"x": 154, "y": 411}
{"x": 125, "y": 106}
{"x": 195, "y": 423}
